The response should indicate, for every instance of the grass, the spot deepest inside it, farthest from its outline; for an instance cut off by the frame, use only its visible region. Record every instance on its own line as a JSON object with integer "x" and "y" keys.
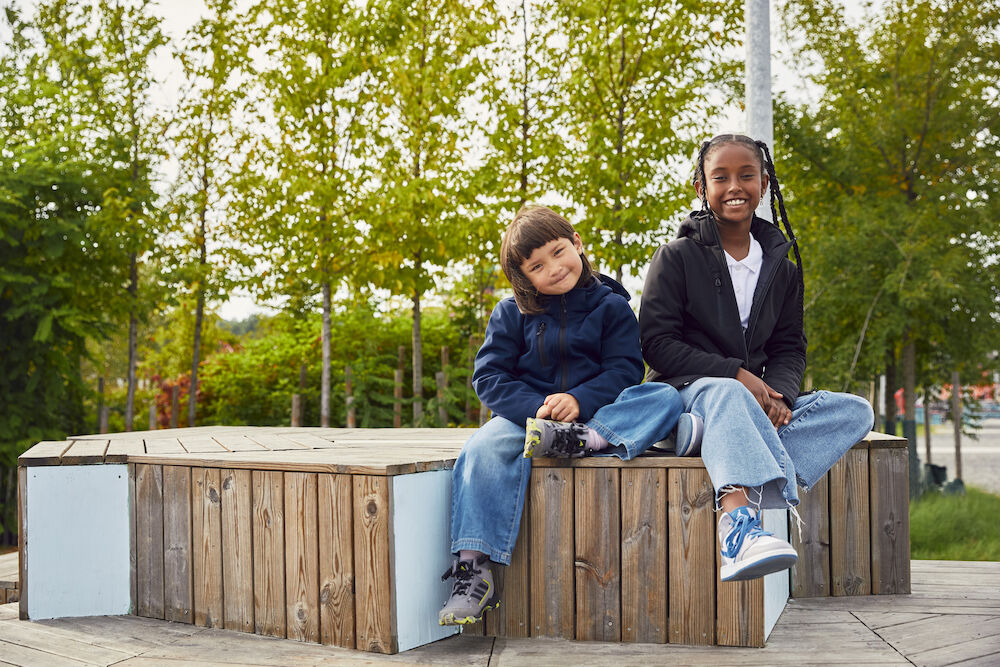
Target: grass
{"x": 955, "y": 527}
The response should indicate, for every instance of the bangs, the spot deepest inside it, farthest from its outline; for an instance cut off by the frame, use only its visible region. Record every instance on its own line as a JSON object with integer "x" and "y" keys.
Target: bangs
{"x": 532, "y": 228}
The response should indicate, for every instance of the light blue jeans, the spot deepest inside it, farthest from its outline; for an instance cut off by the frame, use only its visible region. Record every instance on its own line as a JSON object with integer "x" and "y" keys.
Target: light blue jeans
{"x": 491, "y": 475}
{"x": 741, "y": 447}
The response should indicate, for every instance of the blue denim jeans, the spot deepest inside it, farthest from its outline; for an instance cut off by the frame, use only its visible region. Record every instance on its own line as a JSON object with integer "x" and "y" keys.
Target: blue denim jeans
{"x": 741, "y": 447}
{"x": 490, "y": 478}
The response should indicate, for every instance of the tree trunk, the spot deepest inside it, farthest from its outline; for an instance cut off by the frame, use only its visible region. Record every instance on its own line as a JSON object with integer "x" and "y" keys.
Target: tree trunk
{"x": 324, "y": 389}
{"x": 927, "y": 426}
{"x": 418, "y": 363}
{"x": 876, "y": 406}
{"x": 910, "y": 408}
{"x": 956, "y": 415}
{"x": 199, "y": 314}
{"x": 100, "y": 402}
{"x": 890, "y": 392}
{"x": 133, "y": 327}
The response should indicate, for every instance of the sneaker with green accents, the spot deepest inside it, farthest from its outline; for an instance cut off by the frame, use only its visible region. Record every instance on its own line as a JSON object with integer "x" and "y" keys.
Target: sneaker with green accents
{"x": 472, "y": 593}
{"x": 547, "y": 437}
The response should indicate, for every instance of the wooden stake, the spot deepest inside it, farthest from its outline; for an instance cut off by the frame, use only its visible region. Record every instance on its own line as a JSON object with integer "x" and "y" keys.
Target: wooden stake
{"x": 439, "y": 378}
{"x": 349, "y": 398}
{"x": 175, "y": 397}
{"x": 956, "y": 414}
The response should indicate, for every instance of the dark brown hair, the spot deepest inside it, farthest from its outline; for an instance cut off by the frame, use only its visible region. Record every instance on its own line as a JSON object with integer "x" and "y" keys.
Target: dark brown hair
{"x": 533, "y": 227}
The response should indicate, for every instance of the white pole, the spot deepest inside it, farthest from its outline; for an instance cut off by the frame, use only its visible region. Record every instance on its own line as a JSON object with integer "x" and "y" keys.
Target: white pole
{"x": 760, "y": 119}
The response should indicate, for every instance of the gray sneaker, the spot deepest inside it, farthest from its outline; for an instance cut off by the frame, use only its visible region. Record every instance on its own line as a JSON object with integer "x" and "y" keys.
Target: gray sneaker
{"x": 472, "y": 593}
{"x": 547, "y": 437}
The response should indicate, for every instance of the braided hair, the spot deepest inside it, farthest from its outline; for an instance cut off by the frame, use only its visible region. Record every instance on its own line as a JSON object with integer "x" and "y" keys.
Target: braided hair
{"x": 758, "y": 148}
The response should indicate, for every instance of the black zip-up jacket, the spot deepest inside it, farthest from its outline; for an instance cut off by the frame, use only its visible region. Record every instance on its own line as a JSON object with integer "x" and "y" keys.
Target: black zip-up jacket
{"x": 689, "y": 323}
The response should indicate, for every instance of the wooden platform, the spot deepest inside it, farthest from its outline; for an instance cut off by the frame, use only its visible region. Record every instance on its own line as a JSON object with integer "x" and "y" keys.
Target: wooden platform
{"x": 8, "y": 578}
{"x": 952, "y": 616}
{"x": 307, "y": 534}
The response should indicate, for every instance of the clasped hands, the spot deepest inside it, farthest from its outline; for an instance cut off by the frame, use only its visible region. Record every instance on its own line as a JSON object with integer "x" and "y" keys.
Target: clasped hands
{"x": 771, "y": 401}
{"x": 561, "y": 407}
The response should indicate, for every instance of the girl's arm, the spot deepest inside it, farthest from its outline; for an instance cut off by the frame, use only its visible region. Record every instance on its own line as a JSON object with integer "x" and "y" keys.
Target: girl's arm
{"x": 494, "y": 379}
{"x": 621, "y": 361}
{"x": 661, "y": 324}
{"x": 786, "y": 348}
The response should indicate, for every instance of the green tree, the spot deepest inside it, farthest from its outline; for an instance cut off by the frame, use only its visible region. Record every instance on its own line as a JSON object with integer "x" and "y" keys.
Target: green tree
{"x": 432, "y": 59}
{"x": 643, "y": 79}
{"x": 212, "y": 59}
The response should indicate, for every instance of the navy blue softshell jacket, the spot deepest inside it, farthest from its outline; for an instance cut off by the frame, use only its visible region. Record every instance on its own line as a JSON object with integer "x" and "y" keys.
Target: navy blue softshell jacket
{"x": 586, "y": 344}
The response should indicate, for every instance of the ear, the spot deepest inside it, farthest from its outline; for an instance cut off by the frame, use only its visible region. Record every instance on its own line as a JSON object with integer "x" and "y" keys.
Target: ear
{"x": 699, "y": 190}
{"x": 765, "y": 181}
{"x": 577, "y": 243}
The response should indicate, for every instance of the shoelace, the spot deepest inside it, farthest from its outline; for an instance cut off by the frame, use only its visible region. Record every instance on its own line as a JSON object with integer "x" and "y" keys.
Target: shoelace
{"x": 744, "y": 526}
{"x": 462, "y": 571}
{"x": 566, "y": 440}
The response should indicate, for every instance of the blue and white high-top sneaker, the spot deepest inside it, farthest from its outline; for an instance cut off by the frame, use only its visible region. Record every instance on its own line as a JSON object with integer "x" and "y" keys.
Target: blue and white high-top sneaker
{"x": 749, "y": 551}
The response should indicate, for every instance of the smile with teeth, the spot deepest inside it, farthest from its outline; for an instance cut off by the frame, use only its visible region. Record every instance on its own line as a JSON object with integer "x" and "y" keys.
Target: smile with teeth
{"x": 736, "y": 202}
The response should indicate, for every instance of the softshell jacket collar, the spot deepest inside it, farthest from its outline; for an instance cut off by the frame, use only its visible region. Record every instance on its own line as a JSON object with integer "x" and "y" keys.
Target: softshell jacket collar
{"x": 584, "y": 299}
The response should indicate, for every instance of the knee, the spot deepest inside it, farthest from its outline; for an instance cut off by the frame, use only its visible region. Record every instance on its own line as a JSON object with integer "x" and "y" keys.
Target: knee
{"x": 856, "y": 411}
{"x": 730, "y": 388}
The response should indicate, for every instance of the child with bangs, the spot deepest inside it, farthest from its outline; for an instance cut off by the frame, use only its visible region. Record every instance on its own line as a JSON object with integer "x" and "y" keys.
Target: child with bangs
{"x": 560, "y": 368}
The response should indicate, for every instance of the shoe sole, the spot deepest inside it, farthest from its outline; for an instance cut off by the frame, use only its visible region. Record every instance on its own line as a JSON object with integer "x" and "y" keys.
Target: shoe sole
{"x": 754, "y": 569}
{"x": 689, "y": 433}
{"x": 451, "y": 619}
{"x": 532, "y": 437}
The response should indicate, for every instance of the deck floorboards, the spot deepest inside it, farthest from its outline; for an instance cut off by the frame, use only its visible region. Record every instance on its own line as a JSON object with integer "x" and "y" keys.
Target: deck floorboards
{"x": 952, "y": 617}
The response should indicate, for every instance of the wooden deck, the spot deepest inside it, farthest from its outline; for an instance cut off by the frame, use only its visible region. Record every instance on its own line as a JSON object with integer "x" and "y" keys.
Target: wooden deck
{"x": 952, "y": 617}
{"x": 8, "y": 578}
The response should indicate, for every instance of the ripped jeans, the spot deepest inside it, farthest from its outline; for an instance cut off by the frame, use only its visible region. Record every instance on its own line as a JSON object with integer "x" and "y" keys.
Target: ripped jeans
{"x": 740, "y": 446}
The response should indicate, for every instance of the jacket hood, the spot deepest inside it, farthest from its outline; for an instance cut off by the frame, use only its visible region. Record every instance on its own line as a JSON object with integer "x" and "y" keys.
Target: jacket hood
{"x": 701, "y": 228}
{"x": 586, "y": 298}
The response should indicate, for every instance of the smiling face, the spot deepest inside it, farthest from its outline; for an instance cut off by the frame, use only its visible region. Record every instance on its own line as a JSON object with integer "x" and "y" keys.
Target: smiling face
{"x": 734, "y": 182}
{"x": 555, "y": 267}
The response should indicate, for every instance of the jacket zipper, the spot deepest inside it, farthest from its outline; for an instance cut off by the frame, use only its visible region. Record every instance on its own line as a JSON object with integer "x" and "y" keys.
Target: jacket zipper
{"x": 754, "y": 316}
{"x": 541, "y": 345}
{"x": 562, "y": 347}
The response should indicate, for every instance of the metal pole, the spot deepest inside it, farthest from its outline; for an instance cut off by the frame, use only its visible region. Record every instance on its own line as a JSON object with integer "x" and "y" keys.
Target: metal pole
{"x": 760, "y": 119}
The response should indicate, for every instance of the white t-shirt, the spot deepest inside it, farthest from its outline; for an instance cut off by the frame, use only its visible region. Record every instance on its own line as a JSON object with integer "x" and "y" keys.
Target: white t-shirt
{"x": 745, "y": 274}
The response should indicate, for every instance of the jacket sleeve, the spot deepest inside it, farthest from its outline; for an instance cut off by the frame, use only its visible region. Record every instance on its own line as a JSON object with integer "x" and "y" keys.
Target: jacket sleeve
{"x": 495, "y": 377}
{"x": 621, "y": 361}
{"x": 661, "y": 324}
{"x": 786, "y": 348}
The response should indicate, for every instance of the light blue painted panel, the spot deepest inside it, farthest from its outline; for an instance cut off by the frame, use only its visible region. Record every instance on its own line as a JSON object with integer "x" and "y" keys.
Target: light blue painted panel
{"x": 776, "y": 584}
{"x": 421, "y": 514}
{"x": 78, "y": 541}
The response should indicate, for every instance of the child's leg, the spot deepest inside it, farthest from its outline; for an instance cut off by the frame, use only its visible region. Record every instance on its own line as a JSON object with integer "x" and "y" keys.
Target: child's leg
{"x": 641, "y": 415}
{"x": 488, "y": 489}
{"x": 824, "y": 426}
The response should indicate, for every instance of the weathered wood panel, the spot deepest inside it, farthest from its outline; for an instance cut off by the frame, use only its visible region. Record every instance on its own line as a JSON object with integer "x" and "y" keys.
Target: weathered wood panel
{"x": 644, "y": 555}
{"x": 739, "y": 610}
{"x": 207, "y": 530}
{"x": 553, "y": 612}
{"x": 268, "y": 554}
{"x": 850, "y": 531}
{"x": 85, "y": 452}
{"x": 301, "y": 557}
{"x": 811, "y": 574}
{"x": 336, "y": 560}
{"x": 513, "y": 618}
{"x": 692, "y": 566}
{"x": 133, "y": 535}
{"x": 178, "y": 594}
{"x": 372, "y": 568}
{"x": 890, "y": 517}
{"x": 597, "y": 566}
{"x": 149, "y": 540}
{"x": 237, "y": 550}
{"x": 22, "y": 541}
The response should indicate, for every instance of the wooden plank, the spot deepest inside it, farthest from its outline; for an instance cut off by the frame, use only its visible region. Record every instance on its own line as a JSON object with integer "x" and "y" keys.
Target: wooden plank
{"x": 22, "y": 539}
{"x": 237, "y": 550}
{"x": 336, "y": 560}
{"x": 301, "y": 557}
{"x": 238, "y": 443}
{"x": 614, "y": 462}
{"x": 149, "y": 541}
{"x": 890, "y": 517}
{"x": 597, "y": 566}
{"x": 811, "y": 574}
{"x": 164, "y": 446}
{"x": 85, "y": 452}
{"x": 850, "y": 531}
{"x": 199, "y": 445}
{"x": 513, "y": 618}
{"x": 268, "y": 554}
{"x": 119, "y": 449}
{"x": 374, "y": 608}
{"x": 692, "y": 569}
{"x": 550, "y": 502}
{"x": 739, "y": 619}
{"x": 133, "y": 535}
{"x": 178, "y": 596}
{"x": 45, "y": 453}
{"x": 644, "y": 555}
{"x": 206, "y": 511}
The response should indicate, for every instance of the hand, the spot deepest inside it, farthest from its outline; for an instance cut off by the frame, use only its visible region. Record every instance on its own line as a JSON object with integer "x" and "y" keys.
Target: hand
{"x": 562, "y": 407}
{"x": 543, "y": 412}
{"x": 770, "y": 401}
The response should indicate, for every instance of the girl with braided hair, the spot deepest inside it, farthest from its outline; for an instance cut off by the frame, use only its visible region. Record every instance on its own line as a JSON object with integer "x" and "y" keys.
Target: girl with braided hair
{"x": 721, "y": 320}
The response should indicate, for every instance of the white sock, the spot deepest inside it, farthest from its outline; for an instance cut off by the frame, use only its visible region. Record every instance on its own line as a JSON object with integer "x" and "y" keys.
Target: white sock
{"x": 469, "y": 554}
{"x": 595, "y": 441}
